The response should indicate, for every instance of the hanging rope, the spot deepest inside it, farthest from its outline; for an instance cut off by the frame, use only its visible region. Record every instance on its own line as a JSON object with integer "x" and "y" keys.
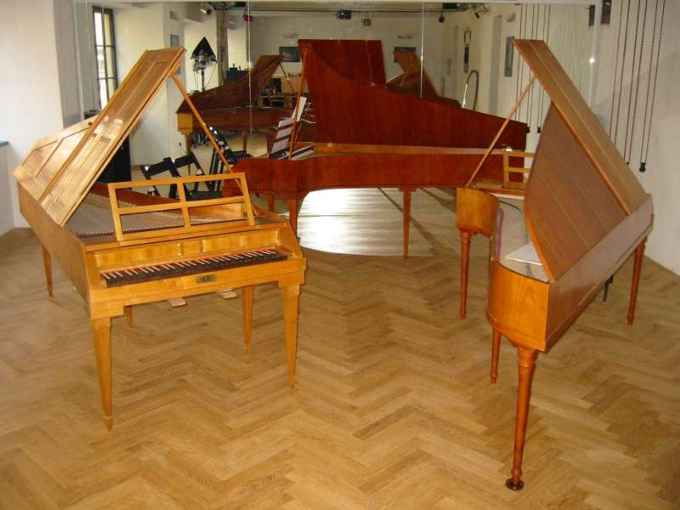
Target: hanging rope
{"x": 530, "y": 103}
{"x": 643, "y": 163}
{"x": 637, "y": 84}
{"x": 615, "y": 81}
{"x": 541, "y": 90}
{"x": 623, "y": 65}
{"x": 649, "y": 87}
{"x": 519, "y": 63}
{"x": 632, "y": 83}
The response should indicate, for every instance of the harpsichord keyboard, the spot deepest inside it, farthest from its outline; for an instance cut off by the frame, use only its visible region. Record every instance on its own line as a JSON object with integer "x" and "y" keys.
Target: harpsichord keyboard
{"x": 117, "y": 277}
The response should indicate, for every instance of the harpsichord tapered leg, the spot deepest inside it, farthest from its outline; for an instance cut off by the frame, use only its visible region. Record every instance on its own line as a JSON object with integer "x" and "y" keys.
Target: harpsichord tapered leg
{"x": 102, "y": 349}
{"x": 406, "y": 220}
{"x": 495, "y": 350}
{"x": 47, "y": 264}
{"x": 247, "y": 316}
{"x": 465, "y": 238}
{"x": 291, "y": 300}
{"x": 128, "y": 315}
{"x": 526, "y": 359}
{"x": 637, "y": 269}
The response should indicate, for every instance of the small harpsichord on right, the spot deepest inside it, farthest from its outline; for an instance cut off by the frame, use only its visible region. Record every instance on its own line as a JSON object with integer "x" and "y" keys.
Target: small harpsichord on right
{"x": 585, "y": 214}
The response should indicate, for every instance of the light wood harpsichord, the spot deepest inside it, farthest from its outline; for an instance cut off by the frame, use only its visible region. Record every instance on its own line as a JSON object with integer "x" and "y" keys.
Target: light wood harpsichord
{"x": 123, "y": 248}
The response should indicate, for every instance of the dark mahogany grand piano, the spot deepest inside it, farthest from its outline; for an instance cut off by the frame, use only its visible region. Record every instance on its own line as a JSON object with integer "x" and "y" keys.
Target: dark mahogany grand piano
{"x": 232, "y": 106}
{"x": 585, "y": 214}
{"x": 367, "y": 135}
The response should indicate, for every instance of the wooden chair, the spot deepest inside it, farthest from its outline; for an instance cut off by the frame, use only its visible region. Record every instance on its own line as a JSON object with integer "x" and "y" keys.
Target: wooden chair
{"x": 168, "y": 166}
{"x": 165, "y": 166}
{"x": 231, "y": 156}
{"x": 190, "y": 162}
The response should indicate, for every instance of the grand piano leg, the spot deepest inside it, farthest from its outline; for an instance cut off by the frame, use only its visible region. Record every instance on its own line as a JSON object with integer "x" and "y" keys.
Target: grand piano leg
{"x": 102, "y": 349}
{"x": 291, "y": 300}
{"x": 527, "y": 361}
{"x": 465, "y": 238}
{"x": 47, "y": 265}
{"x": 406, "y": 219}
{"x": 244, "y": 141}
{"x": 637, "y": 269}
{"x": 495, "y": 350}
{"x": 247, "y": 316}
{"x": 271, "y": 201}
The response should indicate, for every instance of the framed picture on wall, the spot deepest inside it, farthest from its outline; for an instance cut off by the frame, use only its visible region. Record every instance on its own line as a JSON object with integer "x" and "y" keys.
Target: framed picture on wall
{"x": 509, "y": 56}
{"x": 289, "y": 53}
{"x": 403, "y": 49}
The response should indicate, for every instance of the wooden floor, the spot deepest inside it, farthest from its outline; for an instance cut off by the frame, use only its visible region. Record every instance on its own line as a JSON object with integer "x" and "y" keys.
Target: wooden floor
{"x": 393, "y": 408}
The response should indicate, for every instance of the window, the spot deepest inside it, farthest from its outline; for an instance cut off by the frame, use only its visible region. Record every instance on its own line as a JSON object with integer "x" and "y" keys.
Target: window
{"x": 105, "y": 51}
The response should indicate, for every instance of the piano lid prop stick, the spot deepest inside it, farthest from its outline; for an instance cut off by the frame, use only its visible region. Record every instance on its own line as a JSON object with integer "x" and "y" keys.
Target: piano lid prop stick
{"x": 500, "y": 132}
{"x": 285, "y": 76}
{"x": 201, "y": 122}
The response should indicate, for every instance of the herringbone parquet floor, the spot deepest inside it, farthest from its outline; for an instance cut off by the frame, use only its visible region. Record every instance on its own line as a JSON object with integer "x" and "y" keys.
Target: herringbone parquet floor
{"x": 393, "y": 408}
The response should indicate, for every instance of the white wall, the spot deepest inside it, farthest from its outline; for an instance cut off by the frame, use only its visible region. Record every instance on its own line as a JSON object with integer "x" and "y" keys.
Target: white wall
{"x": 138, "y": 30}
{"x": 32, "y": 104}
{"x": 568, "y": 36}
{"x": 662, "y": 178}
{"x": 67, "y": 61}
{"x": 150, "y": 27}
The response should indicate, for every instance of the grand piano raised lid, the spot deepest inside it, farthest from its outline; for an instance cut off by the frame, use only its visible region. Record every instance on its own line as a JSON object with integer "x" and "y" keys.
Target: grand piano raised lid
{"x": 371, "y": 136}
{"x": 585, "y": 214}
{"x": 126, "y": 249}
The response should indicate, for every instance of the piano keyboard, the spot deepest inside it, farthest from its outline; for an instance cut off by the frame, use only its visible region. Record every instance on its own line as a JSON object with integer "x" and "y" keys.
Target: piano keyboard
{"x": 114, "y": 278}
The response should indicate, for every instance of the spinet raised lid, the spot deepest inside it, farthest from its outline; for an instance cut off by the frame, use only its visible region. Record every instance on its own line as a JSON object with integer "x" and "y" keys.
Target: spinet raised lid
{"x": 58, "y": 172}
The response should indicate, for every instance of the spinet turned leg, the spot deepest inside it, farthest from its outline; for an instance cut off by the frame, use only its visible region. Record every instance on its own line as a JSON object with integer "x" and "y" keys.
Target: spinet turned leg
{"x": 526, "y": 359}
{"x": 464, "y": 270}
{"x": 495, "y": 350}
{"x": 47, "y": 264}
{"x": 247, "y": 316}
{"x": 102, "y": 349}
{"x": 406, "y": 220}
{"x": 291, "y": 299}
{"x": 637, "y": 269}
